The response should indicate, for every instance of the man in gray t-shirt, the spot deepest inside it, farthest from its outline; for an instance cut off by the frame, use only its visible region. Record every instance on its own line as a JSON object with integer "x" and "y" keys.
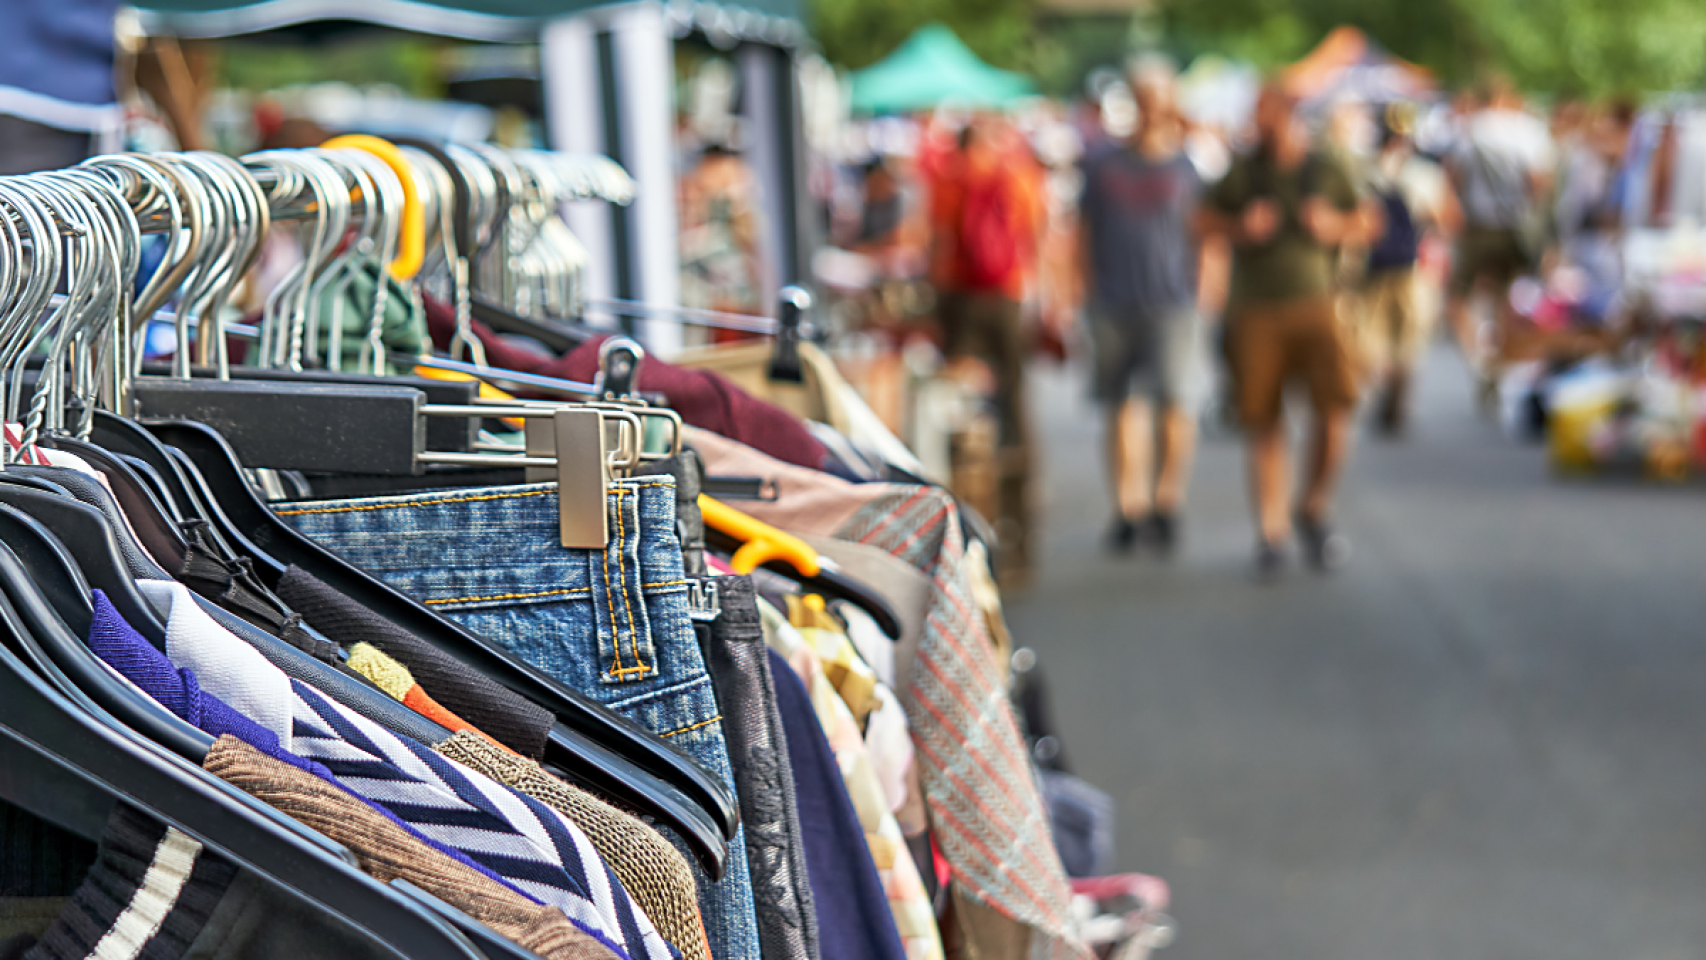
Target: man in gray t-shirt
{"x": 1139, "y": 255}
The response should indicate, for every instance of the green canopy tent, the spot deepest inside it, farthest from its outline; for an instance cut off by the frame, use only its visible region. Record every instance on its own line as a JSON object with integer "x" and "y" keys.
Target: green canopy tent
{"x": 933, "y": 67}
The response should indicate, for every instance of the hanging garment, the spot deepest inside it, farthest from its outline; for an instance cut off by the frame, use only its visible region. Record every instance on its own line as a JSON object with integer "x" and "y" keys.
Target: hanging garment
{"x": 156, "y": 892}
{"x": 854, "y": 681}
{"x": 510, "y": 718}
{"x": 985, "y": 809}
{"x": 849, "y": 894}
{"x": 908, "y": 905}
{"x": 397, "y": 682}
{"x": 764, "y": 779}
{"x": 888, "y": 738}
{"x": 386, "y": 851}
{"x": 823, "y": 396}
{"x": 612, "y": 623}
{"x": 512, "y": 837}
{"x": 654, "y": 873}
{"x": 702, "y": 398}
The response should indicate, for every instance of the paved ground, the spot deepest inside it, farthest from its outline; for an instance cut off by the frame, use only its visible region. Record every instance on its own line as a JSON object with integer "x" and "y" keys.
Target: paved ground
{"x": 1484, "y": 740}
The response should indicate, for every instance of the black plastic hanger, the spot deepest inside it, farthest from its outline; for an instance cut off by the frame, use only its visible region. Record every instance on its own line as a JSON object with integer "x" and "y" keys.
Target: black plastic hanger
{"x": 50, "y": 567}
{"x": 710, "y": 817}
{"x": 93, "y": 548}
{"x": 125, "y": 436}
{"x": 156, "y": 484}
{"x": 46, "y": 642}
{"x": 52, "y": 636}
{"x": 155, "y": 527}
{"x": 70, "y": 769}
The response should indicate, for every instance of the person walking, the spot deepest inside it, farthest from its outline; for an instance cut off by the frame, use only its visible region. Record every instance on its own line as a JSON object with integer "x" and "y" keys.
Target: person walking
{"x": 1284, "y": 208}
{"x": 985, "y": 215}
{"x": 1139, "y": 254}
{"x": 1501, "y": 166}
{"x": 1394, "y": 319}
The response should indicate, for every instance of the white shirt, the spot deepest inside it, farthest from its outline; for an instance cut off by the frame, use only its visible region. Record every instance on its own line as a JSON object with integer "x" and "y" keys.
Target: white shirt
{"x": 1497, "y": 154}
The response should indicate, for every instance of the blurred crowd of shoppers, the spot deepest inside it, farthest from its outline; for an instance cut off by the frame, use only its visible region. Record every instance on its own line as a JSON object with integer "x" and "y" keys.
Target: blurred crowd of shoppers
{"x": 1313, "y": 252}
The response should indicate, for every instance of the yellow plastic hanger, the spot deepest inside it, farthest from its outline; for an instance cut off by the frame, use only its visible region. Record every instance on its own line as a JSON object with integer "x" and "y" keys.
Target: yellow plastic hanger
{"x": 487, "y": 391}
{"x": 760, "y": 542}
{"x": 411, "y": 243}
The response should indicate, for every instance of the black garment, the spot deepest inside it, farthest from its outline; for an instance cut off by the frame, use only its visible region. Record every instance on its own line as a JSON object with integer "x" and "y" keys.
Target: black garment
{"x": 764, "y": 778}
{"x": 849, "y": 895}
{"x": 232, "y": 584}
{"x": 506, "y": 716}
{"x": 37, "y": 859}
{"x": 689, "y": 472}
{"x": 155, "y": 893}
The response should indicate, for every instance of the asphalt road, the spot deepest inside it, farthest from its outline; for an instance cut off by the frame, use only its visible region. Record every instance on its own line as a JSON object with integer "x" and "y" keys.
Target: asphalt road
{"x": 1485, "y": 739}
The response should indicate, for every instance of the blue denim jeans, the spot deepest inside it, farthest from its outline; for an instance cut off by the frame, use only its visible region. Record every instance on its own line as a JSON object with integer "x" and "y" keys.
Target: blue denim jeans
{"x": 612, "y": 623}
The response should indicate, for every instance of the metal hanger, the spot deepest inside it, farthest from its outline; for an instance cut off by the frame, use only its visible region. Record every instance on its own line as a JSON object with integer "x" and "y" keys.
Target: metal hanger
{"x": 37, "y": 627}
{"x": 570, "y": 747}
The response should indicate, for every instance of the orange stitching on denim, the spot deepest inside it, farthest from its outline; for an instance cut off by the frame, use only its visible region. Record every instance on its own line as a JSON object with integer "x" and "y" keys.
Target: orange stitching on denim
{"x": 547, "y": 593}
{"x": 702, "y": 723}
{"x": 627, "y": 670}
{"x": 622, "y": 575}
{"x": 512, "y": 596}
{"x": 358, "y": 508}
{"x": 616, "y": 668}
{"x": 414, "y": 503}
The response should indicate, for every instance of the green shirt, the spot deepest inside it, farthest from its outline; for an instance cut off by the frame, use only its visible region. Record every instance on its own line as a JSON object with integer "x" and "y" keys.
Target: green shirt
{"x": 1292, "y": 264}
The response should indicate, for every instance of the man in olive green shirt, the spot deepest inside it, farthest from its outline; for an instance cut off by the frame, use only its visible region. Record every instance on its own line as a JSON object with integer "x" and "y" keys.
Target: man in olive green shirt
{"x": 1285, "y": 209}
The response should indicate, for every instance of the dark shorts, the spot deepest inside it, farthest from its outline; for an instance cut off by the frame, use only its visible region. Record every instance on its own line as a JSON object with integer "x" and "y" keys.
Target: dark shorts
{"x": 1272, "y": 345}
{"x": 1487, "y": 252}
{"x": 1158, "y": 355}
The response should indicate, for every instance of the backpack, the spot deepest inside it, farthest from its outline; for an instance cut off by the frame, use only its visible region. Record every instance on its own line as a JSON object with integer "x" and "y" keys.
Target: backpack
{"x": 1401, "y": 237}
{"x": 989, "y": 245}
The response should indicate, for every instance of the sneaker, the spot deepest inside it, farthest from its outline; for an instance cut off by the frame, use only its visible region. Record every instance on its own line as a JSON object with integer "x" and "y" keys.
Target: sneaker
{"x": 1164, "y": 531}
{"x": 1270, "y": 561}
{"x": 1325, "y": 549}
{"x": 1122, "y": 535}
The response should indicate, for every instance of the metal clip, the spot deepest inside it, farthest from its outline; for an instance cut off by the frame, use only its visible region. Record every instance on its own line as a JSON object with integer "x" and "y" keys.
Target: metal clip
{"x": 575, "y": 437}
{"x": 702, "y": 602}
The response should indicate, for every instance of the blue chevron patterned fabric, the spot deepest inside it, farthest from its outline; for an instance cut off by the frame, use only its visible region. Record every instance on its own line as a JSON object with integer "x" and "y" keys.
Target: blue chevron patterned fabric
{"x": 524, "y": 843}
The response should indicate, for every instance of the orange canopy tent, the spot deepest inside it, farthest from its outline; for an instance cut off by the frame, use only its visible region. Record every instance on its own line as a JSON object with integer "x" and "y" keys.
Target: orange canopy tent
{"x": 1347, "y": 64}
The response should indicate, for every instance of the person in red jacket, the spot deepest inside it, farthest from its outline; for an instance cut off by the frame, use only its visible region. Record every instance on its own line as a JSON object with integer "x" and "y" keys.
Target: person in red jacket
{"x": 985, "y": 213}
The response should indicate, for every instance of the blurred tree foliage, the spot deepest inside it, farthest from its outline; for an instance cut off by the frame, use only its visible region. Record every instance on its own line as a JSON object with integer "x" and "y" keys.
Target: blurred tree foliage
{"x": 1565, "y": 46}
{"x": 1569, "y": 46}
{"x": 857, "y": 33}
{"x": 409, "y": 62}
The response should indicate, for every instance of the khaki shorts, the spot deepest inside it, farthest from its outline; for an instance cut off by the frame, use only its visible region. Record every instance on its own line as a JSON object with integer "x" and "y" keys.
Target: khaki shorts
{"x": 1272, "y": 345}
{"x": 1489, "y": 252}
{"x": 1392, "y": 327}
